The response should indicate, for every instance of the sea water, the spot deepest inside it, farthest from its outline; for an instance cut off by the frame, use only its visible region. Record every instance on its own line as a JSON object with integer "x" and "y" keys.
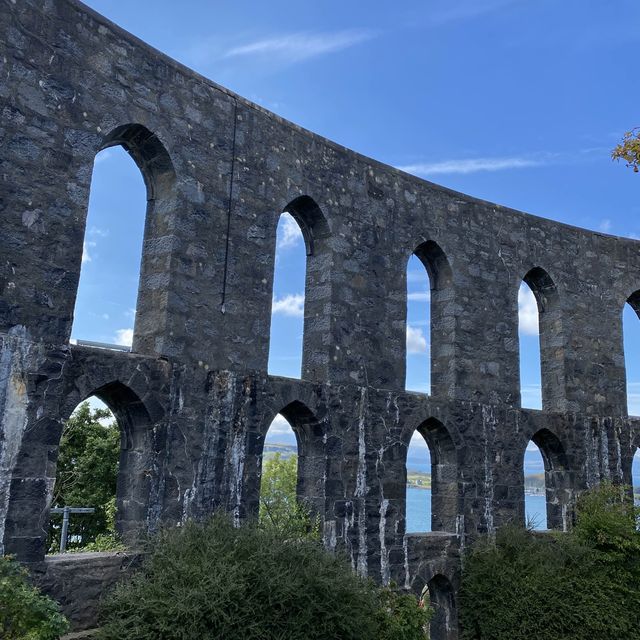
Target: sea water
{"x": 419, "y": 510}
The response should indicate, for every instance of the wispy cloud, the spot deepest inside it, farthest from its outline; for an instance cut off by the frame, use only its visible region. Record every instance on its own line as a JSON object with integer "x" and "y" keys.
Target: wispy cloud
{"x": 506, "y": 163}
{"x": 472, "y": 165}
{"x": 86, "y": 256}
{"x": 633, "y": 398}
{"x": 605, "y": 225}
{"x": 290, "y": 305}
{"x": 289, "y": 234}
{"x": 527, "y": 311}
{"x": 280, "y": 426}
{"x": 296, "y": 47}
{"x": 419, "y": 296}
{"x": 416, "y": 341}
{"x": 124, "y": 337}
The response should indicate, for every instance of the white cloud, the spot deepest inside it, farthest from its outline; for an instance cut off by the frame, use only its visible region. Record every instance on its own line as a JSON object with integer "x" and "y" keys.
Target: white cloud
{"x": 633, "y": 398}
{"x": 527, "y": 311}
{"x": 130, "y": 313}
{"x": 86, "y": 256}
{"x": 96, "y": 231}
{"x": 103, "y": 155}
{"x": 418, "y": 441}
{"x": 605, "y": 225}
{"x": 295, "y": 47}
{"x": 416, "y": 342}
{"x": 419, "y": 296}
{"x": 531, "y": 396}
{"x": 124, "y": 337}
{"x": 290, "y": 305}
{"x": 417, "y": 276}
{"x": 280, "y": 426}
{"x": 472, "y": 165}
{"x": 289, "y": 234}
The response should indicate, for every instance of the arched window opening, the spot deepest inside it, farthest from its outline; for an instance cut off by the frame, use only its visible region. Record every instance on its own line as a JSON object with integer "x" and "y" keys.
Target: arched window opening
{"x": 301, "y": 292}
{"x": 430, "y": 321}
{"x": 418, "y": 496}
{"x": 432, "y": 483}
{"x": 107, "y": 457}
{"x": 279, "y": 477}
{"x": 292, "y": 474}
{"x": 288, "y": 305}
{"x": 86, "y": 477}
{"x": 542, "y": 379}
{"x": 631, "y": 333}
{"x": 106, "y": 301}
{"x": 444, "y": 623}
{"x": 535, "y": 494}
{"x": 418, "y": 376}
{"x": 557, "y": 482}
{"x": 529, "y": 338}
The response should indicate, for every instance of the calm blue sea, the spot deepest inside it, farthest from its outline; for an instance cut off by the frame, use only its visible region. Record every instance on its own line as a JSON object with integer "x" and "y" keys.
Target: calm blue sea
{"x": 419, "y": 510}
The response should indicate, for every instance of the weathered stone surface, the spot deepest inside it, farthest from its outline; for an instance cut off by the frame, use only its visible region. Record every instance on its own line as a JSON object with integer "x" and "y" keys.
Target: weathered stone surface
{"x": 194, "y": 399}
{"x": 78, "y": 581}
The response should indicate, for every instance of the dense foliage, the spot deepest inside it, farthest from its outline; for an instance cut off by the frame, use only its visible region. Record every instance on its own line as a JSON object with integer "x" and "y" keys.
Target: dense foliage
{"x": 576, "y": 586}
{"x": 280, "y": 508}
{"x": 212, "y": 580}
{"x": 86, "y": 476}
{"x": 25, "y": 614}
{"x": 629, "y": 149}
{"x": 399, "y": 618}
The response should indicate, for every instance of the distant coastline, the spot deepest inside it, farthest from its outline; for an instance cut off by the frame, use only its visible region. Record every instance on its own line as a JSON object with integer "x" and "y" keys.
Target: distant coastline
{"x": 533, "y": 483}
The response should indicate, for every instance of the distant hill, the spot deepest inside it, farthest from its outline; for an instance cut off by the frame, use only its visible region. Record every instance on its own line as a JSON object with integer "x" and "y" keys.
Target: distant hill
{"x": 534, "y": 483}
{"x": 285, "y": 450}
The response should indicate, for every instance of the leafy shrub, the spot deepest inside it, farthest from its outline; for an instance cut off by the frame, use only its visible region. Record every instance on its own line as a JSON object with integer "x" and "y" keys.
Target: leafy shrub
{"x": 211, "y": 581}
{"x": 26, "y": 614}
{"x": 576, "y": 586}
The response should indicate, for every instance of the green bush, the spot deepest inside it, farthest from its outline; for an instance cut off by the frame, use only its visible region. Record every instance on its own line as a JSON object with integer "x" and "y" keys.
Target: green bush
{"x": 25, "y": 614}
{"x": 212, "y": 581}
{"x": 583, "y": 585}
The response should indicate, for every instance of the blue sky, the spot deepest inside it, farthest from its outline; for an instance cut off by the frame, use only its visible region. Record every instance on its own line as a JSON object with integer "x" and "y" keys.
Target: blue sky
{"x": 515, "y": 101}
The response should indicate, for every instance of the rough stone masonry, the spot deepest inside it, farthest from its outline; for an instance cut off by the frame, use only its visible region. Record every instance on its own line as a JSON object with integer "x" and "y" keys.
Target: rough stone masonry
{"x": 194, "y": 400}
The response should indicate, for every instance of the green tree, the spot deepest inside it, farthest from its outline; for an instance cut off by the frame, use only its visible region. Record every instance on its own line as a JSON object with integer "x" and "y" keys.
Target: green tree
{"x": 280, "y": 508}
{"x": 86, "y": 476}
{"x": 25, "y": 614}
{"x": 629, "y": 149}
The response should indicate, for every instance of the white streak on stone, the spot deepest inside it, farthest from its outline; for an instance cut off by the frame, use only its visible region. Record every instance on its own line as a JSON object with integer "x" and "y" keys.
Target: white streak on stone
{"x": 13, "y": 411}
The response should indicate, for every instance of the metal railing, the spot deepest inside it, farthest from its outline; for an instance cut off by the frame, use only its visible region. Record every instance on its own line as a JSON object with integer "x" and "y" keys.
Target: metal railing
{"x": 66, "y": 512}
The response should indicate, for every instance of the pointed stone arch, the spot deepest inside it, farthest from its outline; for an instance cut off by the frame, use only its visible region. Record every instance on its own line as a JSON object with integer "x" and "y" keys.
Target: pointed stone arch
{"x": 317, "y": 290}
{"x": 158, "y": 173}
{"x": 309, "y": 433}
{"x": 442, "y": 321}
{"x": 557, "y": 477}
{"x": 444, "y": 474}
{"x": 552, "y": 363}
